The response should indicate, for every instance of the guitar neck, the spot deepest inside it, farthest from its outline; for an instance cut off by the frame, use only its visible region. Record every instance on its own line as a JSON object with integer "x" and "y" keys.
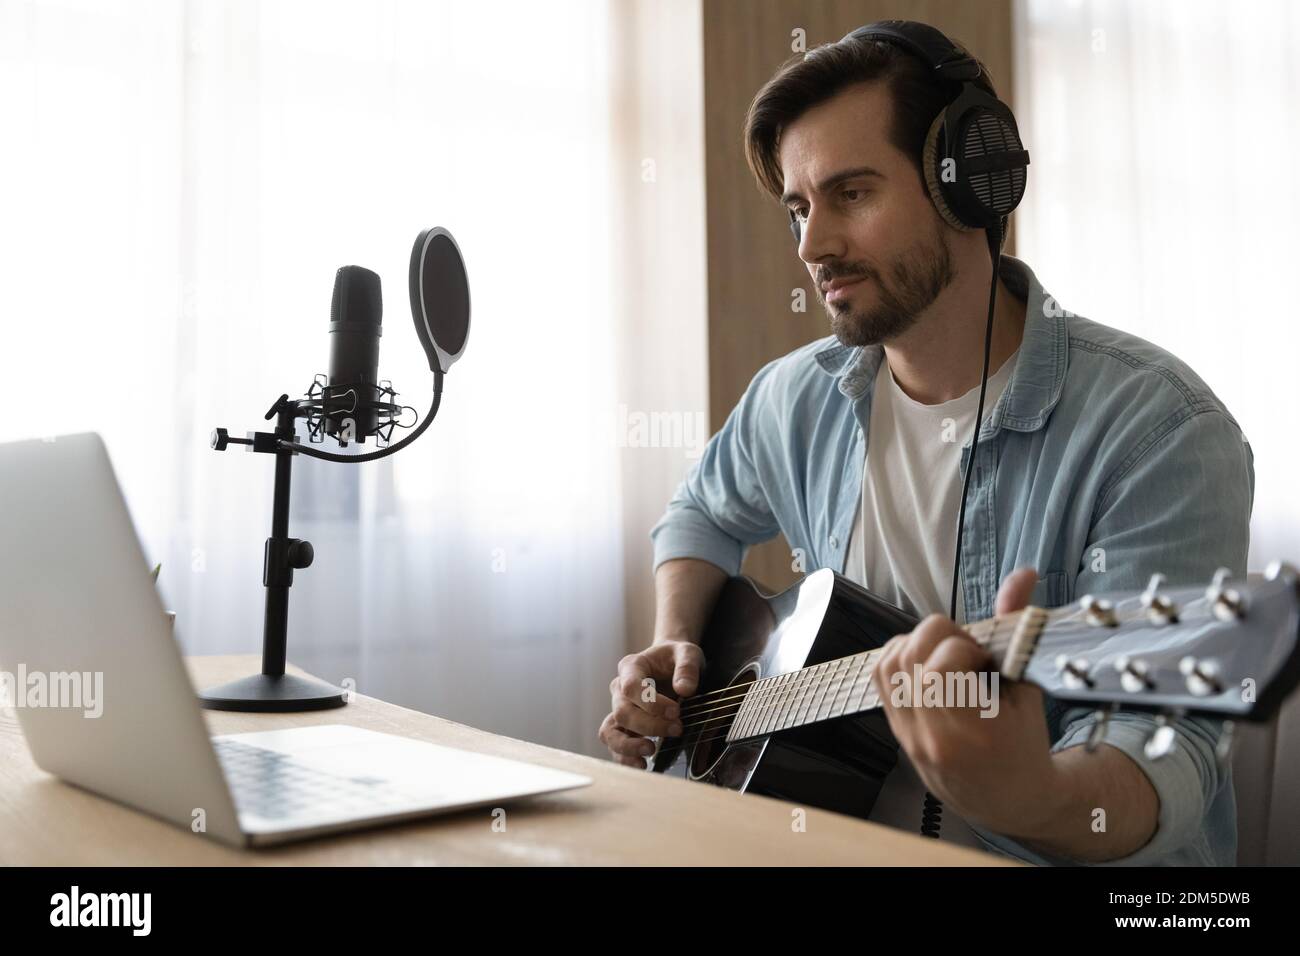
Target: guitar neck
{"x": 845, "y": 686}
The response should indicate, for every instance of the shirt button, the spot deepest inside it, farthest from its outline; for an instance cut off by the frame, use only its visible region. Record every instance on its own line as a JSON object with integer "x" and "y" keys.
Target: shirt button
{"x": 835, "y": 542}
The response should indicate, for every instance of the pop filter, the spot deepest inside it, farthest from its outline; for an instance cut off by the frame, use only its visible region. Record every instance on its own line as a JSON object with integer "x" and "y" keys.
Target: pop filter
{"x": 439, "y": 297}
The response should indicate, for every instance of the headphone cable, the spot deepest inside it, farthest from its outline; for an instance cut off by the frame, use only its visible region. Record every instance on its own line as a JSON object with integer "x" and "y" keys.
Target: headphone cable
{"x": 932, "y": 809}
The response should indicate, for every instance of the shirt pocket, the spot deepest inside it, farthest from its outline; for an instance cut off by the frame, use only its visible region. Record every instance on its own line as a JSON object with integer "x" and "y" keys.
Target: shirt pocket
{"x": 1052, "y": 590}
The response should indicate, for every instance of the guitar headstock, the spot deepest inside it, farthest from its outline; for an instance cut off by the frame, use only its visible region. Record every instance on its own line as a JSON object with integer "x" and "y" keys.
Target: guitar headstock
{"x": 1229, "y": 650}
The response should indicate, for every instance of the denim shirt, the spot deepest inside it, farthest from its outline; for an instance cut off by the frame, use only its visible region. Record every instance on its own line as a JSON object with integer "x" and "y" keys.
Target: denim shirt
{"x": 1105, "y": 460}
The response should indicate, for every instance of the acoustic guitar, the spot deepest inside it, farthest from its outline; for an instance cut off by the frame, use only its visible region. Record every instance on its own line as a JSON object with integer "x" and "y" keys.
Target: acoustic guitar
{"x": 787, "y": 706}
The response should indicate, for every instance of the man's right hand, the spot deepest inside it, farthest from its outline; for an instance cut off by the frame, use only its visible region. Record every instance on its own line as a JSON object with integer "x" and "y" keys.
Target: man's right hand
{"x": 641, "y": 707}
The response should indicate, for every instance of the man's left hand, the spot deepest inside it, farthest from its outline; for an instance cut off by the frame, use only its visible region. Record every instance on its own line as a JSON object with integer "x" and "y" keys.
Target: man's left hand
{"x": 996, "y": 770}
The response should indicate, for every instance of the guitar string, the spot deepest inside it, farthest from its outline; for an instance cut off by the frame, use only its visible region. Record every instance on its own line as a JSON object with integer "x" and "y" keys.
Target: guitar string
{"x": 839, "y": 668}
{"x": 708, "y": 699}
{"x": 991, "y": 624}
{"x": 686, "y": 740}
{"x": 695, "y": 703}
{"x": 862, "y": 706}
{"x": 693, "y": 713}
{"x": 858, "y": 683}
{"x": 705, "y": 698}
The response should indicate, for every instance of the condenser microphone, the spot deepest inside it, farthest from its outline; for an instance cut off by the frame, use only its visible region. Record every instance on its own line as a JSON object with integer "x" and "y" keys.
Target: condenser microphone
{"x": 356, "y": 313}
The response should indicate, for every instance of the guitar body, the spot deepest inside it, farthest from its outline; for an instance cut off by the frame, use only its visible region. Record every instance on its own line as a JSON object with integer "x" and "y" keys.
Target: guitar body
{"x": 838, "y": 764}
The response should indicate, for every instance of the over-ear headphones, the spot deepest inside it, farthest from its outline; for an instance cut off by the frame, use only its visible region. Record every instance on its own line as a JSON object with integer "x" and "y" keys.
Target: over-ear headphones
{"x": 973, "y": 160}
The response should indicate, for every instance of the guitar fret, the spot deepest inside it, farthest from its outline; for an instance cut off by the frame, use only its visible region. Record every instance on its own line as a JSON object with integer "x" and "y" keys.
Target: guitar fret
{"x": 796, "y": 687}
{"x": 850, "y": 684}
{"x": 791, "y": 692}
{"x": 816, "y": 702}
{"x": 846, "y": 687}
{"x": 859, "y": 680}
{"x": 828, "y": 695}
{"x": 746, "y": 711}
{"x": 833, "y": 680}
{"x": 810, "y": 690}
{"x": 854, "y": 685}
{"x": 818, "y": 697}
{"x": 806, "y": 689}
{"x": 873, "y": 685}
{"x": 754, "y": 723}
{"x": 755, "y": 714}
{"x": 841, "y": 673}
{"x": 846, "y": 690}
{"x": 865, "y": 684}
{"x": 775, "y": 705}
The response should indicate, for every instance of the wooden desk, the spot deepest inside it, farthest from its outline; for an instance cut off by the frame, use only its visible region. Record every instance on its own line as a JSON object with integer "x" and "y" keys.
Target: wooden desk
{"x": 625, "y": 817}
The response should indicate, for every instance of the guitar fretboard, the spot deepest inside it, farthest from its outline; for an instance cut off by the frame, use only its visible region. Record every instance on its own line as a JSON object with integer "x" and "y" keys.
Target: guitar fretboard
{"x": 844, "y": 686}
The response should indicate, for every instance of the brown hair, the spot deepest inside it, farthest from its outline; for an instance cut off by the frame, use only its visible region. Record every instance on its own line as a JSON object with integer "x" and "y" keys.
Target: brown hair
{"x": 808, "y": 79}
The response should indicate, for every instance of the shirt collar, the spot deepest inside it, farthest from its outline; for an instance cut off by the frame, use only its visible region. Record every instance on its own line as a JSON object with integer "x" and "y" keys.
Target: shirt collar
{"x": 1039, "y": 375}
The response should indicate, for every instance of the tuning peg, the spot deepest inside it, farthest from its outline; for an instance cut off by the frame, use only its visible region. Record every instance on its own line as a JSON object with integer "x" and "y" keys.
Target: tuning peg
{"x": 1097, "y": 734}
{"x": 1277, "y": 569}
{"x": 1133, "y": 674}
{"x": 1074, "y": 673}
{"x": 1097, "y": 611}
{"x": 1225, "y": 602}
{"x": 1223, "y": 749}
{"x": 1202, "y": 675}
{"x": 1160, "y": 609}
{"x": 1162, "y": 741}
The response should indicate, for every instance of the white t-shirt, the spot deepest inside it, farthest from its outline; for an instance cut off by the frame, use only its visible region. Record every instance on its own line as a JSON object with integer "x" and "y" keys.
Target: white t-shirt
{"x": 905, "y": 535}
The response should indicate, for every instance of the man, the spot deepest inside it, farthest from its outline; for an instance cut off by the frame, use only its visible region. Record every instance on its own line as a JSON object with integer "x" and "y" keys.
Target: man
{"x": 1102, "y": 461}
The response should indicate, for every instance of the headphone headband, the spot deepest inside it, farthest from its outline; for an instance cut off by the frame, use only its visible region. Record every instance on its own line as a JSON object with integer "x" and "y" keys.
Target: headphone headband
{"x": 929, "y": 44}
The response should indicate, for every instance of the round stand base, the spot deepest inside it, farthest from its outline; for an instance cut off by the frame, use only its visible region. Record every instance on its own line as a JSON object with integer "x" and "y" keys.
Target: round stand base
{"x": 284, "y": 694}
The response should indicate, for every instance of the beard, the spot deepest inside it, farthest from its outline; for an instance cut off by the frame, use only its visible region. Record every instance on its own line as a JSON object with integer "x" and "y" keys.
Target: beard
{"x": 916, "y": 278}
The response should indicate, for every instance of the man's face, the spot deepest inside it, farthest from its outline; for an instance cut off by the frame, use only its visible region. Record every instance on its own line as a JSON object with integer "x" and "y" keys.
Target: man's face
{"x": 867, "y": 219}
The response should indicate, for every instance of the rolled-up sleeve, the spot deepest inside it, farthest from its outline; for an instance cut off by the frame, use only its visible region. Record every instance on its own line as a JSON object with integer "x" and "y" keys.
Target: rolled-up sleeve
{"x": 1185, "y": 779}
{"x": 721, "y": 508}
{"x": 1179, "y": 506}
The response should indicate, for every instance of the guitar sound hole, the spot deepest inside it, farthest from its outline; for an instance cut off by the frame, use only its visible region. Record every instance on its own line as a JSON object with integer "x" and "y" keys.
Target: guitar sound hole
{"x": 710, "y": 739}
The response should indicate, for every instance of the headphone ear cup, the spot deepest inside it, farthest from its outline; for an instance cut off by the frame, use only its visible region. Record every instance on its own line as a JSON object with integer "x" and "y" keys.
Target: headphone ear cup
{"x": 991, "y": 164}
{"x": 930, "y": 157}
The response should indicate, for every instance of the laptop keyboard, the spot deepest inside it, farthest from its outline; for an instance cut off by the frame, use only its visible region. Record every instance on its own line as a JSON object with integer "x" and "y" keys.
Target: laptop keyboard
{"x": 276, "y": 786}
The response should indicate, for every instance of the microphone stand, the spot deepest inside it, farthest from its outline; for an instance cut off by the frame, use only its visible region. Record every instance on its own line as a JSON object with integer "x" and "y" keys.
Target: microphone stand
{"x": 274, "y": 691}
{"x": 440, "y": 309}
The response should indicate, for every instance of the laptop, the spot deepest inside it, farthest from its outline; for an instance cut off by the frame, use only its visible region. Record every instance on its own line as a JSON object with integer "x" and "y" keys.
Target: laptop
{"x": 81, "y": 622}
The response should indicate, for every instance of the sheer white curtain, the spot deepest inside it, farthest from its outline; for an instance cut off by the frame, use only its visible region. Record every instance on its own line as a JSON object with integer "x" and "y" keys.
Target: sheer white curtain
{"x": 1161, "y": 201}
{"x": 181, "y": 180}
